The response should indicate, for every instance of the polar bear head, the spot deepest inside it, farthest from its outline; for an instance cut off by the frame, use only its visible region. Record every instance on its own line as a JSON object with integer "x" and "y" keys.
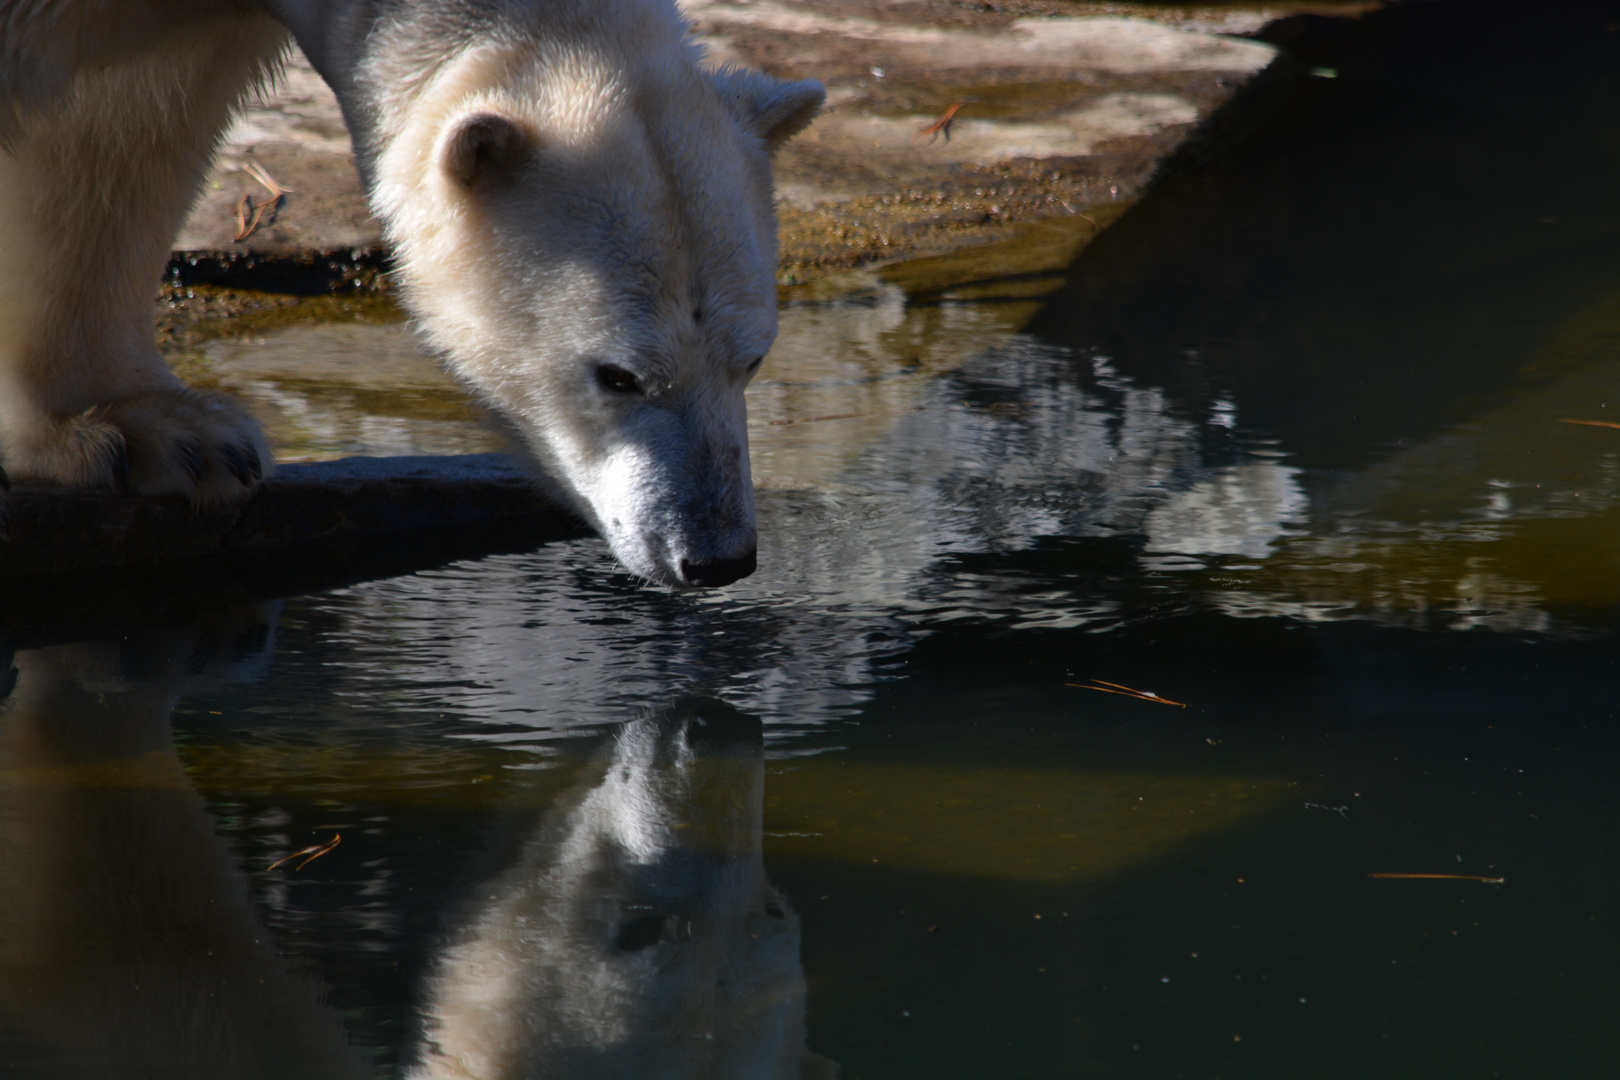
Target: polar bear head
{"x": 583, "y": 217}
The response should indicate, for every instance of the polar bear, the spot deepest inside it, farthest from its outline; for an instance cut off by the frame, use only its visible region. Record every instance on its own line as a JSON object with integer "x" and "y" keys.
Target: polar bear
{"x": 581, "y": 215}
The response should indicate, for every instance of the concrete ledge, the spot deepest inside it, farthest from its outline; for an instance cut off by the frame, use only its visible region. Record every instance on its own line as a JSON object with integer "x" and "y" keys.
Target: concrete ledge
{"x": 51, "y": 531}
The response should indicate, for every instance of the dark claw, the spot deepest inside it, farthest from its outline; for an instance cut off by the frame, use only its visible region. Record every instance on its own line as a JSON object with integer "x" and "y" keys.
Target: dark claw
{"x": 120, "y": 464}
{"x": 5, "y": 481}
{"x": 241, "y": 463}
{"x": 191, "y": 457}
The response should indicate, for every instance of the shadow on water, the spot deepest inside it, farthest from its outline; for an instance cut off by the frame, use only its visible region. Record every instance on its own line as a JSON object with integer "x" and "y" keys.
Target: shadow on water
{"x": 1286, "y": 448}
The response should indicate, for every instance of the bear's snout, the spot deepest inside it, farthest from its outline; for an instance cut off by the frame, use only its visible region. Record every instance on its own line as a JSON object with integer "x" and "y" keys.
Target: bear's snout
{"x": 715, "y": 573}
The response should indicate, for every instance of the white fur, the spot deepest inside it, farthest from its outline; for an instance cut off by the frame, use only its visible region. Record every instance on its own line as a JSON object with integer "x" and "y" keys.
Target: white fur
{"x": 570, "y": 198}
{"x": 109, "y": 122}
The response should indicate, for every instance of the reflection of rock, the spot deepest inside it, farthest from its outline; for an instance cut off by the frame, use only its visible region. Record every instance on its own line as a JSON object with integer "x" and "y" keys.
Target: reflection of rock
{"x": 335, "y": 389}
{"x": 888, "y": 441}
{"x": 635, "y": 934}
{"x": 128, "y": 945}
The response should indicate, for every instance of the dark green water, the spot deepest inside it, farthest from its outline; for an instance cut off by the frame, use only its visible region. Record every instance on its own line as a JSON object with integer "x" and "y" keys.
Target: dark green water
{"x": 1286, "y": 449}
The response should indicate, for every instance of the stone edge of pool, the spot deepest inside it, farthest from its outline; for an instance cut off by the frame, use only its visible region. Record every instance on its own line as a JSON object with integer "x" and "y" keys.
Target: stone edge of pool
{"x": 49, "y": 531}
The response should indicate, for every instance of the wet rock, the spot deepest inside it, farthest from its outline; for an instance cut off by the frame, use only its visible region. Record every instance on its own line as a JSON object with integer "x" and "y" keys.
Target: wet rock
{"x": 946, "y": 131}
{"x": 1060, "y": 115}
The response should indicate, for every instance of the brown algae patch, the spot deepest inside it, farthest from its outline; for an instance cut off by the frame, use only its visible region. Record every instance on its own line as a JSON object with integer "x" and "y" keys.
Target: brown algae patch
{"x": 1011, "y": 824}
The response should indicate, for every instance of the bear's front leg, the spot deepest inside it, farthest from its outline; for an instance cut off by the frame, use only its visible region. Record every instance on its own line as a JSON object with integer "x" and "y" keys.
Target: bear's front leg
{"x": 92, "y": 190}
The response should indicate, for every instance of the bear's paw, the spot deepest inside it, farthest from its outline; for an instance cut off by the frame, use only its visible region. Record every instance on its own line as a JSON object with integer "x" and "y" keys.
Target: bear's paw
{"x": 178, "y": 441}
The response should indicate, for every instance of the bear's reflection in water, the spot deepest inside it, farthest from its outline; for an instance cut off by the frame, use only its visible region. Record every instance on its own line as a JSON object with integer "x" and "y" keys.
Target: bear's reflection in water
{"x": 635, "y": 934}
{"x": 631, "y": 933}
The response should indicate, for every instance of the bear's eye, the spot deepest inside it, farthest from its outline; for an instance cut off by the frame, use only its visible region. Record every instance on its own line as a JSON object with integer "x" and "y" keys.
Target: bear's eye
{"x": 758, "y": 360}
{"x": 638, "y": 934}
{"x": 615, "y": 379}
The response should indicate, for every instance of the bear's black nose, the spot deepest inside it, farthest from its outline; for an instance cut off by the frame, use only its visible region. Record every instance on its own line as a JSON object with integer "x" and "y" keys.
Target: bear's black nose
{"x": 709, "y": 575}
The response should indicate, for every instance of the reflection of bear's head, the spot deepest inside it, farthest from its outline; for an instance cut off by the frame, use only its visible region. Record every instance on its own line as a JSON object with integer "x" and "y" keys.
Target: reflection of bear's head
{"x": 585, "y": 220}
{"x": 636, "y": 935}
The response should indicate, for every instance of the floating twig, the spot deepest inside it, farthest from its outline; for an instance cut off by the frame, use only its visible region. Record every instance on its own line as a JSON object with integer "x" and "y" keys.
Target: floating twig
{"x": 1444, "y": 877}
{"x": 1126, "y": 691}
{"x": 314, "y": 852}
{"x": 939, "y": 127}
{"x": 1591, "y": 423}
{"x": 818, "y": 419}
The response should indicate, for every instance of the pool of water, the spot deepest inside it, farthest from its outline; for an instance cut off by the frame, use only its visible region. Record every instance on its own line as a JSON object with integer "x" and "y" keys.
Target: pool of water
{"x": 1289, "y": 452}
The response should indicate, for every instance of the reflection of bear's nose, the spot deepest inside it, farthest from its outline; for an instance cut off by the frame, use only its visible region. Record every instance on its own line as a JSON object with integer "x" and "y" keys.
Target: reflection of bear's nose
{"x": 720, "y": 572}
{"x": 718, "y": 730}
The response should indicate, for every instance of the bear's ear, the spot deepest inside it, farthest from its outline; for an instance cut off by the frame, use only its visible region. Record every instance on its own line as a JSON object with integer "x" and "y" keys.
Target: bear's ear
{"x": 481, "y": 146}
{"x": 770, "y": 108}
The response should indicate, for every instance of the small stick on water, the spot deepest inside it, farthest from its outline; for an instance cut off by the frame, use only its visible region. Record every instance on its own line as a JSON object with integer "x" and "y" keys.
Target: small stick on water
{"x": 1591, "y": 423}
{"x": 939, "y": 127}
{"x": 1126, "y": 691}
{"x": 1444, "y": 877}
{"x": 818, "y": 419}
{"x": 314, "y": 852}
